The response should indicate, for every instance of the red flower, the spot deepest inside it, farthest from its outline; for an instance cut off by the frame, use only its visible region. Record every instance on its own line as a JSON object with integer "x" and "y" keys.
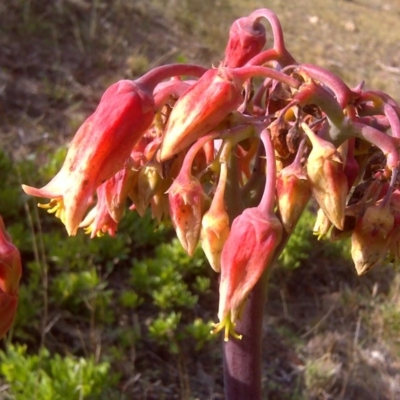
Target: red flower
{"x": 246, "y": 254}
{"x": 187, "y": 202}
{"x": 100, "y": 148}
{"x": 10, "y": 274}
{"x": 217, "y": 93}
{"x": 246, "y": 40}
{"x": 248, "y": 250}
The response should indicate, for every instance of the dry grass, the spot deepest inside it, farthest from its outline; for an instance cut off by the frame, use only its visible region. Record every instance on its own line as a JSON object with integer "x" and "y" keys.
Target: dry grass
{"x": 328, "y": 335}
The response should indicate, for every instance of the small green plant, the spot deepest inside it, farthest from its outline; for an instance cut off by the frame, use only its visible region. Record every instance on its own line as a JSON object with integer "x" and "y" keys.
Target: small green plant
{"x": 300, "y": 243}
{"x": 52, "y": 377}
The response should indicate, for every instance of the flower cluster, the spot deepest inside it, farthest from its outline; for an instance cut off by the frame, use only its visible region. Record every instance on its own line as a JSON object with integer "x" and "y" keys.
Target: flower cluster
{"x": 233, "y": 161}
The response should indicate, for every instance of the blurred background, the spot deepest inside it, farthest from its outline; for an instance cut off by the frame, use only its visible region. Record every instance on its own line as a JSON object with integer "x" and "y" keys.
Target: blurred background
{"x": 129, "y": 317}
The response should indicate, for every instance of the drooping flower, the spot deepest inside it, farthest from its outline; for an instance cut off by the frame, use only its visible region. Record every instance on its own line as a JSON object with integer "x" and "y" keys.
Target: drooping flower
{"x": 200, "y": 109}
{"x": 100, "y": 148}
{"x": 327, "y": 178}
{"x": 103, "y": 144}
{"x": 208, "y": 102}
{"x": 109, "y": 209}
{"x": 10, "y": 275}
{"x": 188, "y": 200}
{"x": 215, "y": 224}
{"x": 293, "y": 192}
{"x": 248, "y": 250}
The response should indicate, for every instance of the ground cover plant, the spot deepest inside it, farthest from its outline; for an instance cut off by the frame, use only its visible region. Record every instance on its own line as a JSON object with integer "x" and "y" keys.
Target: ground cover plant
{"x": 84, "y": 289}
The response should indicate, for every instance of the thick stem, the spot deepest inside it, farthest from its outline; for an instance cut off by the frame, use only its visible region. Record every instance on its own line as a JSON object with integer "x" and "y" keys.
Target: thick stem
{"x": 282, "y": 55}
{"x": 242, "y": 358}
{"x": 342, "y": 92}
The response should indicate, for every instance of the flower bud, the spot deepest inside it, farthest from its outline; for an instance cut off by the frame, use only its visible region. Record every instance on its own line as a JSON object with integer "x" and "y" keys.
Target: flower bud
{"x": 368, "y": 247}
{"x": 215, "y": 225}
{"x": 293, "y": 193}
{"x": 322, "y": 224}
{"x": 187, "y": 202}
{"x": 246, "y": 40}
{"x": 214, "y": 232}
{"x": 378, "y": 219}
{"x": 327, "y": 178}
{"x": 148, "y": 183}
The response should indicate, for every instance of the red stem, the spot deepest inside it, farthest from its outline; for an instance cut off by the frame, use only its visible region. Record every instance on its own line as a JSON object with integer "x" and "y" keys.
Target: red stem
{"x": 342, "y": 92}
{"x": 393, "y": 119}
{"x": 152, "y": 78}
{"x": 251, "y": 71}
{"x": 279, "y": 51}
{"x": 267, "y": 202}
{"x": 380, "y": 140}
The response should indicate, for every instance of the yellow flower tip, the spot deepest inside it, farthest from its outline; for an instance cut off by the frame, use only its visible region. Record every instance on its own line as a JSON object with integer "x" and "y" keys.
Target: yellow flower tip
{"x": 88, "y": 230}
{"x": 56, "y": 207}
{"x": 229, "y": 328}
{"x": 100, "y": 234}
{"x": 318, "y": 234}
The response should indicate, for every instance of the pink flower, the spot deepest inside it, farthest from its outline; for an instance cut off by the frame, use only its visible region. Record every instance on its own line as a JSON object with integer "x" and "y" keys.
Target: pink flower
{"x": 187, "y": 202}
{"x": 203, "y": 106}
{"x": 247, "y": 252}
{"x": 100, "y": 148}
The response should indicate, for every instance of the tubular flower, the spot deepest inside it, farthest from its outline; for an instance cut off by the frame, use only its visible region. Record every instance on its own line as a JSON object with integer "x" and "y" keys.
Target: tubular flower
{"x": 215, "y": 225}
{"x": 10, "y": 275}
{"x": 248, "y": 250}
{"x": 208, "y": 102}
{"x": 116, "y": 191}
{"x": 111, "y": 197}
{"x": 367, "y": 248}
{"x": 322, "y": 225}
{"x": 187, "y": 202}
{"x": 147, "y": 184}
{"x": 327, "y": 178}
{"x": 187, "y": 199}
{"x": 100, "y": 148}
{"x": 372, "y": 236}
{"x": 293, "y": 193}
{"x": 203, "y": 106}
